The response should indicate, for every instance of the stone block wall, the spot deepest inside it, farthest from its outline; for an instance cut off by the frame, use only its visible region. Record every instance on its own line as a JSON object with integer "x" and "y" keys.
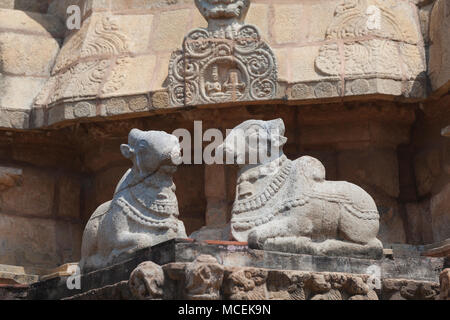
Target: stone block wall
{"x": 40, "y": 204}
{"x": 369, "y": 106}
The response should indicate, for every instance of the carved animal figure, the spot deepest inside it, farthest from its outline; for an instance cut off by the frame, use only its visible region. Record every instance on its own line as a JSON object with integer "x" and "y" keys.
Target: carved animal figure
{"x": 288, "y": 206}
{"x": 144, "y": 210}
{"x": 223, "y": 9}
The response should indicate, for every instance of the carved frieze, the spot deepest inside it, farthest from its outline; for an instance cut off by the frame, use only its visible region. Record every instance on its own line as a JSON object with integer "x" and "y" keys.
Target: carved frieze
{"x": 369, "y": 38}
{"x": 147, "y": 281}
{"x": 204, "y": 278}
{"x": 228, "y": 61}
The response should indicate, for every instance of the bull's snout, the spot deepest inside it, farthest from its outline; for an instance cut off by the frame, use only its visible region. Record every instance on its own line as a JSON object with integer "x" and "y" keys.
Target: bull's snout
{"x": 175, "y": 155}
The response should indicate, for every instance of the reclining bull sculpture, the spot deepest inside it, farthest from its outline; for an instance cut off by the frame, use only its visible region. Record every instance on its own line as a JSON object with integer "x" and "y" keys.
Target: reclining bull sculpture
{"x": 144, "y": 209}
{"x": 288, "y": 206}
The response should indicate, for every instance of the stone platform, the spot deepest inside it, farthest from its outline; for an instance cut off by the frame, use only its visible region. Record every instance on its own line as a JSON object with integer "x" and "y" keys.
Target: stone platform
{"x": 180, "y": 253}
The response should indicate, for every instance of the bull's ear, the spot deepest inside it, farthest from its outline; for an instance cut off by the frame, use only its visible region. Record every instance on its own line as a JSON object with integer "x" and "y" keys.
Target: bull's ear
{"x": 127, "y": 151}
{"x": 277, "y": 124}
{"x": 278, "y": 140}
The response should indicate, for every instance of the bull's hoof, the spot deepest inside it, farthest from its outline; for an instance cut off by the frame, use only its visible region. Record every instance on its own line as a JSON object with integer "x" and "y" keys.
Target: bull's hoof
{"x": 255, "y": 241}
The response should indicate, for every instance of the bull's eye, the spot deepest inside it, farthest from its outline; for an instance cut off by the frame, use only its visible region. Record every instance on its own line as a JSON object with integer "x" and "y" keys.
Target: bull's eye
{"x": 143, "y": 145}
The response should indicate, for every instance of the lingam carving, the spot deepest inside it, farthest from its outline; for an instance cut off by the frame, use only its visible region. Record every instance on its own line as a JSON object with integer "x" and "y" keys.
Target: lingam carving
{"x": 228, "y": 61}
{"x": 144, "y": 210}
{"x": 147, "y": 281}
{"x": 288, "y": 206}
{"x": 204, "y": 278}
{"x": 83, "y": 63}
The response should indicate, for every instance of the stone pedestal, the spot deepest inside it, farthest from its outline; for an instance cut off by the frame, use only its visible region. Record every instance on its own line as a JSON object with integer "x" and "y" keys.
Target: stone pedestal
{"x": 329, "y": 277}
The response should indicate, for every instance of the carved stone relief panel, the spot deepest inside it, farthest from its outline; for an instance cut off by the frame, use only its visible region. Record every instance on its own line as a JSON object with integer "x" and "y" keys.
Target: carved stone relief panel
{"x": 371, "y": 38}
{"x": 91, "y": 62}
{"x": 228, "y": 61}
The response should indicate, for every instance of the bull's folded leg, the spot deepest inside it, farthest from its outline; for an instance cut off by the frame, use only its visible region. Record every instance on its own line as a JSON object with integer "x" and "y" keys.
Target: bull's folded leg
{"x": 280, "y": 228}
{"x": 371, "y": 250}
{"x": 303, "y": 245}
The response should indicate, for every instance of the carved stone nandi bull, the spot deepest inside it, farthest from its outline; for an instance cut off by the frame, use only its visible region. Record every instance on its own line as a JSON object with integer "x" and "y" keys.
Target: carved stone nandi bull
{"x": 144, "y": 210}
{"x": 288, "y": 206}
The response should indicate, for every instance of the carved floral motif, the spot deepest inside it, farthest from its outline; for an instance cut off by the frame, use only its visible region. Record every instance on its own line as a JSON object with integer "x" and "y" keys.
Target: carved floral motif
{"x": 380, "y": 44}
{"x": 84, "y": 63}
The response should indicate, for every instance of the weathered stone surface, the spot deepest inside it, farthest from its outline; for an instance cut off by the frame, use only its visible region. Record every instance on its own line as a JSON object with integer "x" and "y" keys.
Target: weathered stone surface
{"x": 38, "y": 242}
{"x": 34, "y": 196}
{"x": 204, "y": 278}
{"x": 147, "y": 281}
{"x": 101, "y": 44}
{"x": 160, "y": 100}
{"x": 27, "y": 55}
{"x": 29, "y": 44}
{"x": 400, "y": 289}
{"x": 440, "y": 208}
{"x": 420, "y": 223}
{"x": 216, "y": 196}
{"x": 439, "y": 249}
{"x": 392, "y": 224}
{"x": 13, "y": 292}
{"x": 371, "y": 46}
{"x": 10, "y": 177}
{"x": 26, "y": 5}
{"x": 31, "y": 23}
{"x": 445, "y": 284}
{"x": 257, "y": 273}
{"x": 21, "y": 95}
{"x": 378, "y": 168}
{"x": 119, "y": 291}
{"x": 119, "y": 53}
{"x": 272, "y": 213}
{"x": 245, "y": 284}
{"x": 69, "y": 190}
{"x": 15, "y": 275}
{"x": 65, "y": 270}
{"x": 427, "y": 166}
{"x": 144, "y": 210}
{"x": 439, "y": 62}
{"x": 262, "y": 284}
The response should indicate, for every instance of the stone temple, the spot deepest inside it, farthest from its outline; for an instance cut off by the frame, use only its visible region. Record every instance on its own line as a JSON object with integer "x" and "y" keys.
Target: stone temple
{"x": 106, "y": 114}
